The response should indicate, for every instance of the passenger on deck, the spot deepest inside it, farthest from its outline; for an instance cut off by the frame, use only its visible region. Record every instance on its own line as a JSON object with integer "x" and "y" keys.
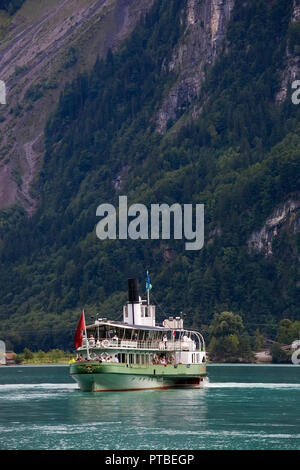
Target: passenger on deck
{"x": 165, "y": 339}
{"x": 116, "y": 359}
{"x": 163, "y": 361}
{"x": 155, "y": 359}
{"x": 170, "y": 359}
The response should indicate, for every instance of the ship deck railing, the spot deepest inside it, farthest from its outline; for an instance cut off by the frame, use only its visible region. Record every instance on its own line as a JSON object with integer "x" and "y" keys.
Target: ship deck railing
{"x": 107, "y": 343}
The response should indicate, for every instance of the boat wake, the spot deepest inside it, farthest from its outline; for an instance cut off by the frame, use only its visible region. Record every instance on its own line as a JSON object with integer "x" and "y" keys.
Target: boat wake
{"x": 41, "y": 386}
{"x": 275, "y": 386}
{"x": 207, "y": 384}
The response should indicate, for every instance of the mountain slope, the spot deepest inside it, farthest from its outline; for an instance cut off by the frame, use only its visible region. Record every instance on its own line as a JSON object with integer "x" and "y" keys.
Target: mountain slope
{"x": 232, "y": 146}
{"x": 41, "y": 50}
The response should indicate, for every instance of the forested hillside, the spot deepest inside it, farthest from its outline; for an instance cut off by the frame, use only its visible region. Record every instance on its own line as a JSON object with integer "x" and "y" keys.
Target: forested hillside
{"x": 236, "y": 149}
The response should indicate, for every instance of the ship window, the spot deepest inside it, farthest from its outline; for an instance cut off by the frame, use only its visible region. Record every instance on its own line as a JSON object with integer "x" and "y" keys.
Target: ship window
{"x": 149, "y": 311}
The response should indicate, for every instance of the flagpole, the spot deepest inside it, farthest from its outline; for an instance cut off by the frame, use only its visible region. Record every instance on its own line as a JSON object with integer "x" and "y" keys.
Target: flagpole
{"x": 148, "y": 288}
{"x": 86, "y": 338}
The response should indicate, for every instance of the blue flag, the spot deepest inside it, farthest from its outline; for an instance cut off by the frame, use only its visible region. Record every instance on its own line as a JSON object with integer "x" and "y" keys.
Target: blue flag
{"x": 148, "y": 285}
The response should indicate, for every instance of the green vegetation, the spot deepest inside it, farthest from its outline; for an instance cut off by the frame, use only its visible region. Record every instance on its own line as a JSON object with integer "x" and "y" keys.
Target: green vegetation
{"x": 70, "y": 58}
{"x": 229, "y": 342}
{"x": 20, "y": 69}
{"x": 279, "y": 355}
{"x": 294, "y": 38}
{"x": 288, "y": 331}
{"x": 36, "y": 90}
{"x": 240, "y": 158}
{"x": 11, "y": 6}
{"x": 258, "y": 341}
{"x": 53, "y": 356}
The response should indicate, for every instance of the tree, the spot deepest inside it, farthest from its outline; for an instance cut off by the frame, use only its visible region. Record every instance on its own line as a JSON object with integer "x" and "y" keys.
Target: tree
{"x": 41, "y": 354}
{"x": 226, "y": 323}
{"x": 258, "y": 341}
{"x": 288, "y": 331}
{"x": 56, "y": 354}
{"x": 28, "y": 354}
{"x": 19, "y": 358}
{"x": 279, "y": 355}
{"x": 229, "y": 341}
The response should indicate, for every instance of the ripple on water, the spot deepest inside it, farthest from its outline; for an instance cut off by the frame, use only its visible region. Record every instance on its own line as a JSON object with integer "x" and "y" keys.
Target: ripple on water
{"x": 236, "y": 410}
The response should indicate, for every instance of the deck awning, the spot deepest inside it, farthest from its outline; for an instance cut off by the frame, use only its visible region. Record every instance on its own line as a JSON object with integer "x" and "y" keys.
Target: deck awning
{"x": 117, "y": 324}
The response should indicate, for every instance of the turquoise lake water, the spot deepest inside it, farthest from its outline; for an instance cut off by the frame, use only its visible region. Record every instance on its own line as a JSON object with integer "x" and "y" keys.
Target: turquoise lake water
{"x": 243, "y": 407}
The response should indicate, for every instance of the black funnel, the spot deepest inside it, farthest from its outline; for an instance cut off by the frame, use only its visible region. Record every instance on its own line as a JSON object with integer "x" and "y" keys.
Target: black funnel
{"x": 133, "y": 291}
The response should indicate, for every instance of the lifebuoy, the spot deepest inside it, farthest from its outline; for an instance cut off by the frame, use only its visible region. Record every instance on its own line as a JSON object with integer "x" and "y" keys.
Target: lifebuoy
{"x": 105, "y": 343}
{"x": 104, "y": 355}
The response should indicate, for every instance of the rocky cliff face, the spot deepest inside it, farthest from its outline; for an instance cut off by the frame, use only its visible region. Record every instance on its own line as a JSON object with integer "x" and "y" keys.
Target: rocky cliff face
{"x": 292, "y": 69}
{"x": 41, "y": 49}
{"x": 206, "y": 22}
{"x": 285, "y": 217}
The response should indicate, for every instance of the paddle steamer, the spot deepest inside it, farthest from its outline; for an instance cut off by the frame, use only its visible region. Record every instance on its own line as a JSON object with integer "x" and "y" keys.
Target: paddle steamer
{"x": 137, "y": 354}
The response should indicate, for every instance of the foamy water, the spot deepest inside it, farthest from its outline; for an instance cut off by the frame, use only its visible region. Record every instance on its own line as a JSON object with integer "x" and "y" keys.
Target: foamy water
{"x": 236, "y": 385}
{"x": 42, "y": 386}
